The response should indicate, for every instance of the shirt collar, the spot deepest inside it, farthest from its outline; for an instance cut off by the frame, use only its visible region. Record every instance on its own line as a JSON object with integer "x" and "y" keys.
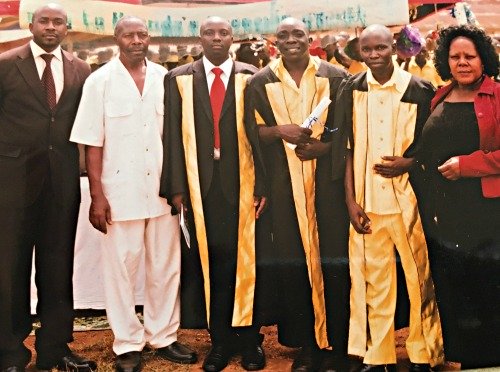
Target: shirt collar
{"x": 282, "y": 73}
{"x": 38, "y": 51}
{"x": 225, "y": 66}
{"x": 313, "y": 64}
{"x": 396, "y": 80}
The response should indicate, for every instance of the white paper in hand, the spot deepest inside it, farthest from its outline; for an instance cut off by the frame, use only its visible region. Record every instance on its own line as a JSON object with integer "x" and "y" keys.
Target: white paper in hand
{"x": 313, "y": 116}
{"x": 184, "y": 227}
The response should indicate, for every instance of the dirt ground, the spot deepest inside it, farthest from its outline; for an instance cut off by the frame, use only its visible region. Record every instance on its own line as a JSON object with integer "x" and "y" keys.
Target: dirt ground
{"x": 96, "y": 345}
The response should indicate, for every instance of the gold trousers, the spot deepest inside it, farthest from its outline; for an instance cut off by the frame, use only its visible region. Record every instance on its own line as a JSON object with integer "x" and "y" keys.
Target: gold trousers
{"x": 380, "y": 277}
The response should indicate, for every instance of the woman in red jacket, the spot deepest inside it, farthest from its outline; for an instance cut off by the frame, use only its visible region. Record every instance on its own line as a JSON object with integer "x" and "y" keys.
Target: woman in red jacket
{"x": 461, "y": 154}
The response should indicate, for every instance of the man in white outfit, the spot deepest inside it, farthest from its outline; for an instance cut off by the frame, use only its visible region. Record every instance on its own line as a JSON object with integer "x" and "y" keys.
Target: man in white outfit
{"x": 120, "y": 121}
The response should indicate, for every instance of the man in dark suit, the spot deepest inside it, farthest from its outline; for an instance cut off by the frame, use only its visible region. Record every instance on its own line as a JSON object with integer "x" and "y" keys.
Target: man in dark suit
{"x": 209, "y": 171}
{"x": 40, "y": 194}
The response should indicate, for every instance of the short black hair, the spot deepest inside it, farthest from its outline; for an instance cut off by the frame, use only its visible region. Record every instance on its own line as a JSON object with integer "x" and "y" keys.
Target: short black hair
{"x": 482, "y": 42}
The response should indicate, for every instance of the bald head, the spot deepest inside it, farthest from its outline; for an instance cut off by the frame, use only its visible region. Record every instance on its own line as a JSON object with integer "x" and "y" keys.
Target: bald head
{"x": 214, "y": 20}
{"x": 52, "y": 7}
{"x": 291, "y": 22}
{"x": 380, "y": 31}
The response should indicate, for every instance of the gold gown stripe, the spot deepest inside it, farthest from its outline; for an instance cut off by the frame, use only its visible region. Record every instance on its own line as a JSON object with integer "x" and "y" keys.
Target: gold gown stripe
{"x": 245, "y": 266}
{"x": 302, "y": 175}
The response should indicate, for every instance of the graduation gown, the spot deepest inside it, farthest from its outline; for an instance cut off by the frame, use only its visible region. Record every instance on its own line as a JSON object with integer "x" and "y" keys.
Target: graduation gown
{"x": 412, "y": 113}
{"x": 188, "y": 168}
{"x": 296, "y": 190}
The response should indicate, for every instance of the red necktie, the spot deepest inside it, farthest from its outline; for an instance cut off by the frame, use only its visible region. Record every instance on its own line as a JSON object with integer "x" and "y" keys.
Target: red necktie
{"x": 48, "y": 81}
{"x": 217, "y": 93}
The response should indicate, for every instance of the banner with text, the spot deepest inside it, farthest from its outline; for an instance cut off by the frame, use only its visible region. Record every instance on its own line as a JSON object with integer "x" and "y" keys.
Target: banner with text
{"x": 100, "y": 17}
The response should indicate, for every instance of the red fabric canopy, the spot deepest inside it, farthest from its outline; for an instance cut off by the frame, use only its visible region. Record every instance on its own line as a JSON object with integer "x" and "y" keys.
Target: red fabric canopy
{"x": 420, "y": 2}
{"x": 9, "y": 8}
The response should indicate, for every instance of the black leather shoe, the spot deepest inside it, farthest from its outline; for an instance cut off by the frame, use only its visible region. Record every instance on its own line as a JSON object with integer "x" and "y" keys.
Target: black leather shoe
{"x": 14, "y": 369}
{"x": 378, "y": 368}
{"x": 308, "y": 360}
{"x": 253, "y": 358}
{"x": 129, "y": 362}
{"x": 217, "y": 358}
{"x": 333, "y": 363}
{"x": 177, "y": 353}
{"x": 420, "y": 367}
{"x": 70, "y": 363}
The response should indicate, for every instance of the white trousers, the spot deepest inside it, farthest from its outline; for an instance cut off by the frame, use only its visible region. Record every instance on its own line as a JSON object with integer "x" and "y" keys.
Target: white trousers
{"x": 158, "y": 241}
{"x": 380, "y": 276}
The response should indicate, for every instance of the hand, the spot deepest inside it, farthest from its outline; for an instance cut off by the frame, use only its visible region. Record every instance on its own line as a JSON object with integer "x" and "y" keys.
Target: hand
{"x": 100, "y": 213}
{"x": 295, "y": 134}
{"x": 179, "y": 201}
{"x": 260, "y": 204}
{"x": 359, "y": 219}
{"x": 450, "y": 169}
{"x": 311, "y": 150}
{"x": 393, "y": 166}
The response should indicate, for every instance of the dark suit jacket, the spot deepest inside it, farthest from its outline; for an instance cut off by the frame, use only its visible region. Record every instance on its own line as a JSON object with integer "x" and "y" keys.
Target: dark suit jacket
{"x": 34, "y": 142}
{"x": 174, "y": 171}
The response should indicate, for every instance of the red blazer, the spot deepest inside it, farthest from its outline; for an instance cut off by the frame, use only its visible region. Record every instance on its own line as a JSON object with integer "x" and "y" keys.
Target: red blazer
{"x": 485, "y": 162}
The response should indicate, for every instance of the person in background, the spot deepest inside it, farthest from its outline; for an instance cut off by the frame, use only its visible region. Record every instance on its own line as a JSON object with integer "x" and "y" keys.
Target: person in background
{"x": 40, "y": 87}
{"x": 342, "y": 39}
{"x": 184, "y": 56}
{"x": 309, "y": 217}
{"x": 423, "y": 67}
{"x": 460, "y": 152}
{"x": 120, "y": 122}
{"x": 83, "y": 54}
{"x": 383, "y": 207}
{"x": 351, "y": 57}
{"x": 329, "y": 45}
{"x": 211, "y": 178}
{"x": 196, "y": 52}
{"x": 245, "y": 54}
{"x": 163, "y": 53}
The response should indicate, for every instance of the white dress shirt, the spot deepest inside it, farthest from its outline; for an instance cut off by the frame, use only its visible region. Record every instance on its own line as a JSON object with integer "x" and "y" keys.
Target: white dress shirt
{"x": 226, "y": 67}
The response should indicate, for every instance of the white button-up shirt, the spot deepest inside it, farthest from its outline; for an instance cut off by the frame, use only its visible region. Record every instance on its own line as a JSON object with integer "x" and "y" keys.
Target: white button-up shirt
{"x": 226, "y": 67}
{"x": 129, "y": 126}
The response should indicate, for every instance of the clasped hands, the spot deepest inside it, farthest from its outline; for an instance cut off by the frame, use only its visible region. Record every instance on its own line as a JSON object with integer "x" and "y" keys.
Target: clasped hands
{"x": 308, "y": 148}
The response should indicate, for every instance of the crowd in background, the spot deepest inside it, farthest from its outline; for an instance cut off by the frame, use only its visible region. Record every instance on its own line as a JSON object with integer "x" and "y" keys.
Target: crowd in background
{"x": 338, "y": 188}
